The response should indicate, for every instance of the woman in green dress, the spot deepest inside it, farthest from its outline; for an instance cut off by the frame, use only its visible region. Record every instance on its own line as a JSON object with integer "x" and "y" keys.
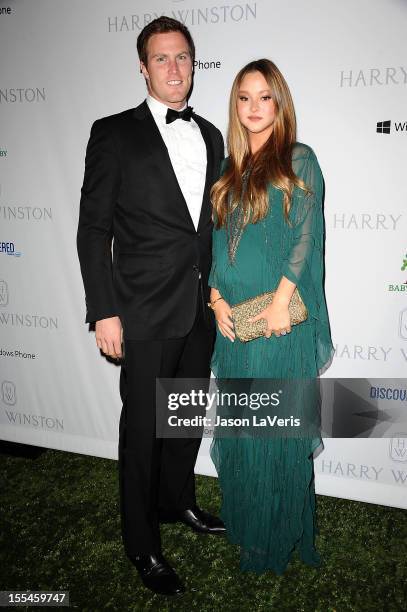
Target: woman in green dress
{"x": 268, "y": 235}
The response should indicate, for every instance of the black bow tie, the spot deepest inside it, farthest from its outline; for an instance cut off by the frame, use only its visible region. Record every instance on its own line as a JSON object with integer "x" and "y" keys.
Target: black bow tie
{"x": 172, "y": 114}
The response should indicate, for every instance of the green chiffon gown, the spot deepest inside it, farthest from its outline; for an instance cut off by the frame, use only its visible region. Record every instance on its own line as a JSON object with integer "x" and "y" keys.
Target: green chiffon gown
{"x": 268, "y": 484}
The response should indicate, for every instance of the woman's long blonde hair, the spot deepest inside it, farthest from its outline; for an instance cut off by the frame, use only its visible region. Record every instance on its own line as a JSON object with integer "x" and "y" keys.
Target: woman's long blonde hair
{"x": 271, "y": 164}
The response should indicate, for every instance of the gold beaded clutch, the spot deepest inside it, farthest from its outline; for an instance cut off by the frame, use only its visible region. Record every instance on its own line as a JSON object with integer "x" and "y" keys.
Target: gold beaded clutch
{"x": 241, "y": 312}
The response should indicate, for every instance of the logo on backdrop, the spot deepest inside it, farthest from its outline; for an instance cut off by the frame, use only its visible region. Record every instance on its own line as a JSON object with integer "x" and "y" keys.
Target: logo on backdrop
{"x": 350, "y": 470}
{"x": 35, "y": 420}
{"x": 370, "y": 353}
{"x": 22, "y": 94}
{"x": 5, "y": 10}
{"x": 16, "y": 212}
{"x": 210, "y": 65}
{"x": 367, "y": 473}
{"x": 206, "y": 15}
{"x": 3, "y": 152}
{"x": 366, "y": 221}
{"x": 9, "y": 397}
{"x": 361, "y": 352}
{"x": 13, "y": 319}
{"x": 391, "y": 394}
{"x": 402, "y": 286}
{"x": 384, "y": 127}
{"x": 16, "y": 353}
{"x": 8, "y": 392}
{"x": 373, "y": 77}
{"x": 8, "y": 248}
{"x": 403, "y": 324}
{"x": 398, "y": 447}
{"x": 3, "y": 293}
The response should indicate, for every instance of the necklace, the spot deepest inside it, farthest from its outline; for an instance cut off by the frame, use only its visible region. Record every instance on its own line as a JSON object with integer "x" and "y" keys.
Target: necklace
{"x": 235, "y": 220}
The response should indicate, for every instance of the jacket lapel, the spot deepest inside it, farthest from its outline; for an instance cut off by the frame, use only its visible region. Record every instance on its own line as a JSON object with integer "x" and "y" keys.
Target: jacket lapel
{"x": 205, "y": 209}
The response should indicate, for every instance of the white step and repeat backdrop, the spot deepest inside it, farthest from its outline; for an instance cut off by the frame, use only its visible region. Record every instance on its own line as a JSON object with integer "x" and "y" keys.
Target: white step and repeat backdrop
{"x": 64, "y": 64}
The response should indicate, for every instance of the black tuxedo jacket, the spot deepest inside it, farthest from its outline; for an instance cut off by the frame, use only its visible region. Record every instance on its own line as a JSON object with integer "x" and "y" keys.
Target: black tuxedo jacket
{"x": 130, "y": 195}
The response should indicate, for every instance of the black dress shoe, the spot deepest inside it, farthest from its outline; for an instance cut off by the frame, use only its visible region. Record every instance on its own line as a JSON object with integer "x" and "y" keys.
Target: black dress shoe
{"x": 157, "y": 575}
{"x": 201, "y": 521}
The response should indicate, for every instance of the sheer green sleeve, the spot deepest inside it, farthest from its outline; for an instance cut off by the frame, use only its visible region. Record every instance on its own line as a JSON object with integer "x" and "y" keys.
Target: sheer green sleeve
{"x": 306, "y": 223}
{"x": 303, "y": 263}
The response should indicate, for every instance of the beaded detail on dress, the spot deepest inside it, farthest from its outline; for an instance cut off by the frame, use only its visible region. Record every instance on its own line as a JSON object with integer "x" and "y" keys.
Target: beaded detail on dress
{"x": 235, "y": 219}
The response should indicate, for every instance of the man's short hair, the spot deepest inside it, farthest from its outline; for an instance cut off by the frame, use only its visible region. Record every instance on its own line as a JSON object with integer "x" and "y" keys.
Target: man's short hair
{"x": 160, "y": 26}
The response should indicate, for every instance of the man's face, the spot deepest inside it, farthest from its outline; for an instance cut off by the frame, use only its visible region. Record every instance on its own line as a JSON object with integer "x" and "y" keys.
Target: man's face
{"x": 169, "y": 68}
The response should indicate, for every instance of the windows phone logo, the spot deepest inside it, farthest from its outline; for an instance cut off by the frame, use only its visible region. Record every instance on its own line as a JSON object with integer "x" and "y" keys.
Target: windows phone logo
{"x": 383, "y": 127}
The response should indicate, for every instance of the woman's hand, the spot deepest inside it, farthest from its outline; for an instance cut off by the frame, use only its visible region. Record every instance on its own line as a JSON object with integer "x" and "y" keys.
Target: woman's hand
{"x": 223, "y": 316}
{"x": 277, "y": 317}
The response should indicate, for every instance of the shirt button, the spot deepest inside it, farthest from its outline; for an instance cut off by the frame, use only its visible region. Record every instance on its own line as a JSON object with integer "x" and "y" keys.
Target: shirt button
{"x": 195, "y": 268}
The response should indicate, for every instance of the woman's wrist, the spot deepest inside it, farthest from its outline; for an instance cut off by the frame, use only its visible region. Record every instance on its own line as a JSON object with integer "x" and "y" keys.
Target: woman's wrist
{"x": 281, "y": 300}
{"x": 212, "y": 303}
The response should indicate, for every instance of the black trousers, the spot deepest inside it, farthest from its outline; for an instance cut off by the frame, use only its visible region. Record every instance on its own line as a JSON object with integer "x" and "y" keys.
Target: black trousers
{"x": 156, "y": 475}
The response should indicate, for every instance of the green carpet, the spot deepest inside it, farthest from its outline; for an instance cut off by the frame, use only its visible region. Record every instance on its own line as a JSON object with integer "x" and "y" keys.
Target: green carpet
{"x": 60, "y": 530}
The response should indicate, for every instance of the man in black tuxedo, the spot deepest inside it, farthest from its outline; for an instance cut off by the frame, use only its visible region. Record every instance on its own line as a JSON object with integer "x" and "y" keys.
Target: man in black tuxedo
{"x": 148, "y": 174}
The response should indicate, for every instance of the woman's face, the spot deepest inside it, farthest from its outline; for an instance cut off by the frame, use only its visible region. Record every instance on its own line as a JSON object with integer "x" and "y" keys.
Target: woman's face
{"x": 255, "y": 107}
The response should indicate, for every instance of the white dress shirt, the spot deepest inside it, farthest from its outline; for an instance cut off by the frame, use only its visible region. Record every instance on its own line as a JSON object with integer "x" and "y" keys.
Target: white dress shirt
{"x": 187, "y": 151}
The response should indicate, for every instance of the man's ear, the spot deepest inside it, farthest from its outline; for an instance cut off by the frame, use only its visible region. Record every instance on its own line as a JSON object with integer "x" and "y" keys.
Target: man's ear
{"x": 144, "y": 70}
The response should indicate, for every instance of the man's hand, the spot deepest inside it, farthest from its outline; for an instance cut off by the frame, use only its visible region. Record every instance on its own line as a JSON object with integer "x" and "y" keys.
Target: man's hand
{"x": 109, "y": 336}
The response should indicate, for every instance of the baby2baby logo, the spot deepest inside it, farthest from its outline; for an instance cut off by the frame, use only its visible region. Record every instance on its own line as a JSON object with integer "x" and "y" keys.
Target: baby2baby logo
{"x": 403, "y": 285}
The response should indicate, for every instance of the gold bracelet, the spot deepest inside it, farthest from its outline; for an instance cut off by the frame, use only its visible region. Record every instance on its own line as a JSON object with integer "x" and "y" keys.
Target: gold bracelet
{"x": 212, "y": 304}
